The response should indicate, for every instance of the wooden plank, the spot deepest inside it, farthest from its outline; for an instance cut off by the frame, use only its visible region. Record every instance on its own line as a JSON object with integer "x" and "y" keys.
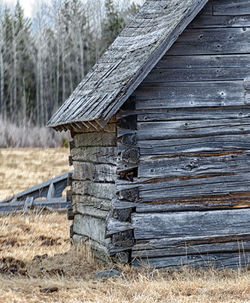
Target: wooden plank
{"x": 86, "y": 210}
{"x": 212, "y": 41}
{"x": 197, "y": 62}
{"x": 192, "y": 129}
{"x": 206, "y": 21}
{"x": 114, "y": 226}
{"x": 94, "y": 172}
{"x": 190, "y": 94}
{"x": 93, "y": 228}
{"x": 179, "y": 249}
{"x": 232, "y": 143}
{"x": 192, "y": 224}
{"x": 228, "y": 260}
{"x": 100, "y": 155}
{"x": 95, "y": 139}
{"x": 41, "y": 190}
{"x": 198, "y": 204}
{"x": 231, "y": 7}
{"x": 194, "y": 166}
{"x": 158, "y": 190}
{"x": 93, "y": 202}
{"x": 181, "y": 114}
{"x": 98, "y": 190}
{"x": 52, "y": 204}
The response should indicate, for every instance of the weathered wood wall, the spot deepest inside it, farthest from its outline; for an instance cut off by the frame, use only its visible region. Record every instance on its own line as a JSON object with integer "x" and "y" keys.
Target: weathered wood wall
{"x": 94, "y": 156}
{"x": 192, "y": 181}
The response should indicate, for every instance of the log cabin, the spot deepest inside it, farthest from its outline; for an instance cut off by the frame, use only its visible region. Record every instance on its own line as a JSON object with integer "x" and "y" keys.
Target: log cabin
{"x": 161, "y": 138}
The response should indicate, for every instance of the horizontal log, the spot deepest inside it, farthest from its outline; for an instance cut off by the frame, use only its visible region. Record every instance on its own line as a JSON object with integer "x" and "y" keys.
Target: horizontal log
{"x": 94, "y": 172}
{"x": 100, "y": 155}
{"x": 187, "y": 114}
{"x": 114, "y": 226}
{"x": 193, "y": 249}
{"x": 182, "y": 225}
{"x": 190, "y": 94}
{"x": 190, "y": 187}
{"x": 212, "y": 41}
{"x": 98, "y": 190}
{"x": 52, "y": 204}
{"x": 195, "y": 128}
{"x": 231, "y": 7}
{"x": 231, "y": 260}
{"x": 196, "y": 204}
{"x": 232, "y": 143}
{"x": 97, "y": 212}
{"x": 193, "y": 166}
{"x": 92, "y": 202}
{"x": 93, "y": 228}
{"x": 199, "y": 62}
{"x": 208, "y": 21}
{"x": 95, "y": 139}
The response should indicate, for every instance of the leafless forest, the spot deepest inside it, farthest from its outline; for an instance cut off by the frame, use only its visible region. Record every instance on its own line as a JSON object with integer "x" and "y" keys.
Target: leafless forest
{"x": 43, "y": 59}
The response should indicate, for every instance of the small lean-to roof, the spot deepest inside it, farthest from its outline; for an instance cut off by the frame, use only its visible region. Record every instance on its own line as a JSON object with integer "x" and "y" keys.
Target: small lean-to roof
{"x": 127, "y": 62}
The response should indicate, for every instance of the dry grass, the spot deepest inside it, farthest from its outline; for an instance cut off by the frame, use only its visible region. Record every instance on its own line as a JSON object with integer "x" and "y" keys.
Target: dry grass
{"x": 36, "y": 253}
{"x": 26, "y": 167}
{"x": 28, "y": 135}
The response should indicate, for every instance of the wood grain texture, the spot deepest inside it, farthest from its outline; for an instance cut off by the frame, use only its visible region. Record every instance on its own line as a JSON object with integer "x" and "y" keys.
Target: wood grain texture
{"x": 223, "y": 260}
{"x": 192, "y": 224}
{"x": 127, "y": 62}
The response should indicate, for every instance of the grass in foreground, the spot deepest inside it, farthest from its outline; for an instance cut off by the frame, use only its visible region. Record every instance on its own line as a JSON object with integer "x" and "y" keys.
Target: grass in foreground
{"x": 35, "y": 253}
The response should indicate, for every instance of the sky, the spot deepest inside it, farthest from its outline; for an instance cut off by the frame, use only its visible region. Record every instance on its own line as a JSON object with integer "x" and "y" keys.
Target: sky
{"x": 26, "y": 4}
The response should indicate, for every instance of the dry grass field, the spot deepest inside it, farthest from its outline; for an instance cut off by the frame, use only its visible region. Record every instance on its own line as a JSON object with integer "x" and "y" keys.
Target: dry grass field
{"x": 38, "y": 263}
{"x": 25, "y": 167}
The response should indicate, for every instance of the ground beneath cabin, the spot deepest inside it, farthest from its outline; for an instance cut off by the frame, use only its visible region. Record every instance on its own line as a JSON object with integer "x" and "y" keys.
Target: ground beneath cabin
{"x": 38, "y": 263}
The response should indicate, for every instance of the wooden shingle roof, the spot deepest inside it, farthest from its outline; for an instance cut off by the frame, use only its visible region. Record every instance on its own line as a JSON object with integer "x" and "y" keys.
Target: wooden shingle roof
{"x": 127, "y": 62}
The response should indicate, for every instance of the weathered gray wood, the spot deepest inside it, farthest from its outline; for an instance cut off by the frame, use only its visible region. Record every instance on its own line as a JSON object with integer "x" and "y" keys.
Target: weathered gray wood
{"x": 100, "y": 155}
{"x": 208, "y": 21}
{"x": 199, "y": 62}
{"x": 179, "y": 249}
{"x": 194, "y": 166}
{"x": 190, "y": 94}
{"x": 204, "y": 73}
{"x": 93, "y": 228}
{"x": 196, "y": 205}
{"x": 41, "y": 190}
{"x": 95, "y": 139}
{"x": 232, "y": 260}
{"x": 85, "y": 200}
{"x": 127, "y": 62}
{"x": 98, "y": 190}
{"x": 196, "y": 224}
{"x": 231, "y": 7}
{"x": 52, "y": 204}
{"x": 192, "y": 129}
{"x": 114, "y": 226}
{"x": 182, "y": 114}
{"x": 212, "y": 41}
{"x": 86, "y": 210}
{"x": 94, "y": 172}
{"x": 232, "y": 143}
{"x": 190, "y": 187}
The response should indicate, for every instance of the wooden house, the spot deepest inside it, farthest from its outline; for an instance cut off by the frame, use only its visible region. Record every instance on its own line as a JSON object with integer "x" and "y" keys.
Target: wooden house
{"x": 161, "y": 138}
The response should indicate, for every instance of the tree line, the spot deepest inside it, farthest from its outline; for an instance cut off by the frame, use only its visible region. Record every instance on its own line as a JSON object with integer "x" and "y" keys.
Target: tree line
{"x": 43, "y": 59}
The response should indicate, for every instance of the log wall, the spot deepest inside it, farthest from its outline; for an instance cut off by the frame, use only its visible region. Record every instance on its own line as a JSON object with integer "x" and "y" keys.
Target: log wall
{"x": 189, "y": 200}
{"x": 94, "y": 157}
